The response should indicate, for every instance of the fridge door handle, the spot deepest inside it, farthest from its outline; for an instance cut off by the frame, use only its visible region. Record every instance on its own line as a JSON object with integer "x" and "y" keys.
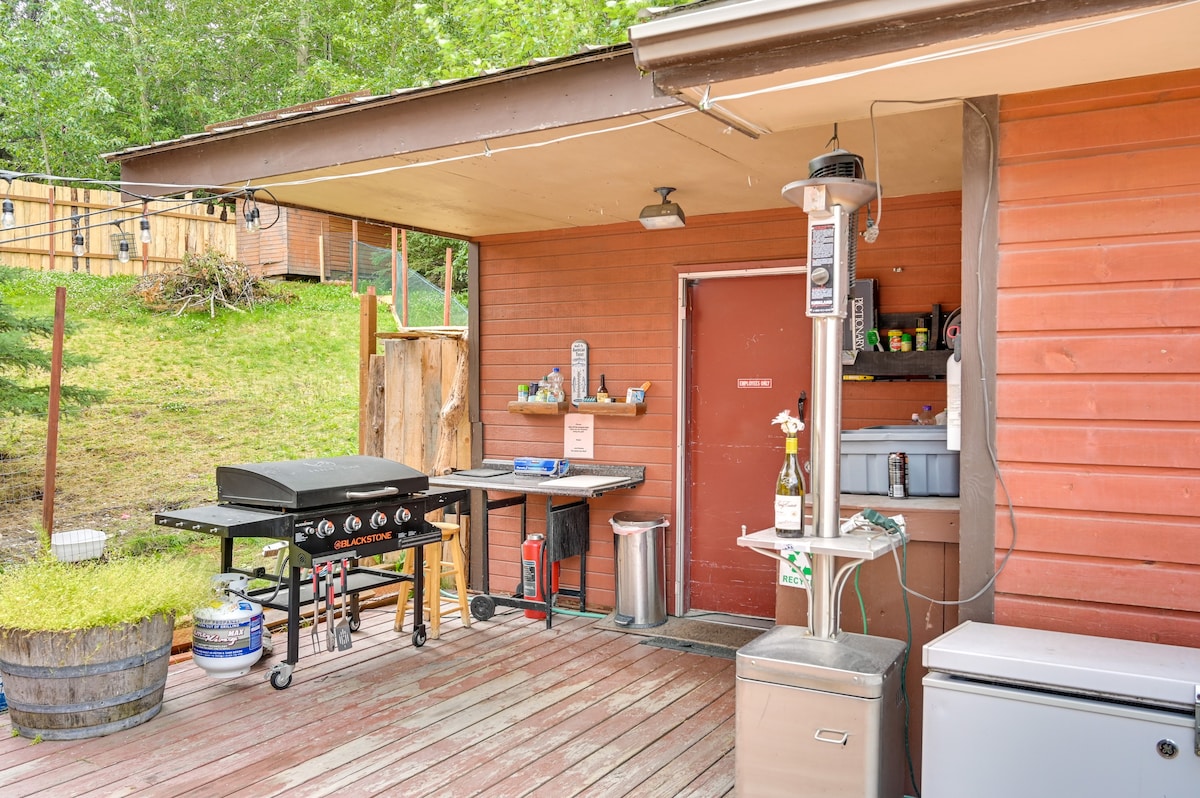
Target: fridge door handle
{"x": 1197, "y": 742}
{"x": 832, "y": 736}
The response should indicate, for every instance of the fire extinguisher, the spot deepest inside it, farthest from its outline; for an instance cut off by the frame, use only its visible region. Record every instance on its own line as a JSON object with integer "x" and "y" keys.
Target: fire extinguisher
{"x": 531, "y": 573}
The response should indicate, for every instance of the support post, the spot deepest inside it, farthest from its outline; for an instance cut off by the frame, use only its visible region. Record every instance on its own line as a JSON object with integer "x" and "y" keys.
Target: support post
{"x": 367, "y": 316}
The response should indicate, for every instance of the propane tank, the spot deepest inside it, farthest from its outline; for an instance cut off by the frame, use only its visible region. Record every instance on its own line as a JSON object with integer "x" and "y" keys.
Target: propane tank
{"x": 227, "y": 633}
{"x": 531, "y": 576}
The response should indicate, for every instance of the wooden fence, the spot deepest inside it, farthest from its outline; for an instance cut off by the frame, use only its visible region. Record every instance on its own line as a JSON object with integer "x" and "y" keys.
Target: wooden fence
{"x": 44, "y": 232}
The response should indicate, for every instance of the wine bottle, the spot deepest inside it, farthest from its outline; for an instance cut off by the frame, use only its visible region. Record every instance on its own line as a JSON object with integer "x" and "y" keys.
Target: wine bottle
{"x": 602, "y": 391}
{"x": 789, "y": 493}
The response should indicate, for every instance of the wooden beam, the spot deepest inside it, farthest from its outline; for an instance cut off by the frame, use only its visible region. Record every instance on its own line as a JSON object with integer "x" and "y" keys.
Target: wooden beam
{"x": 366, "y": 347}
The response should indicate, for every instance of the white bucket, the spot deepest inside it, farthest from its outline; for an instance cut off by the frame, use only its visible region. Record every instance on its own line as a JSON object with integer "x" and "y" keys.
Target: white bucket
{"x": 77, "y": 544}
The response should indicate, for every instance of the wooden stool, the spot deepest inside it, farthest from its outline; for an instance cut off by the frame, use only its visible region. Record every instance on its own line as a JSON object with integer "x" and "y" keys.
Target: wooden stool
{"x": 456, "y": 566}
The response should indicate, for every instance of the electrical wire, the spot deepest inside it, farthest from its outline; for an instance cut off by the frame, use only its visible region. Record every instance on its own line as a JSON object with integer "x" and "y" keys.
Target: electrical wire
{"x": 989, "y": 420}
{"x": 181, "y": 202}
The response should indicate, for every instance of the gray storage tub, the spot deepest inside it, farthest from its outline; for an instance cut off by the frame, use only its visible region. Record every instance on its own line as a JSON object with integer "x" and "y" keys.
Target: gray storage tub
{"x": 932, "y": 468}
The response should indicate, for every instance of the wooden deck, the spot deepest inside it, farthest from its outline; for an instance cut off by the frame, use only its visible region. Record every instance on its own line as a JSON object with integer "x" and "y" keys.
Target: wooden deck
{"x": 504, "y": 708}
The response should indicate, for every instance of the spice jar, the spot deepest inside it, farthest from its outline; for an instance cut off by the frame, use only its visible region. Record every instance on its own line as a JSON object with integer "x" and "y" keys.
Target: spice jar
{"x": 894, "y": 337}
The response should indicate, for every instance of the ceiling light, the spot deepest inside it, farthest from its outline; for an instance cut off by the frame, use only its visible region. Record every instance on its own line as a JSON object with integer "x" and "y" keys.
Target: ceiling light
{"x": 663, "y": 215}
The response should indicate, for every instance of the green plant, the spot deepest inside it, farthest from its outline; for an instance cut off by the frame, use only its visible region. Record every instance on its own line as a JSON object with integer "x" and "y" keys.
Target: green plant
{"x": 21, "y": 359}
{"x": 47, "y": 595}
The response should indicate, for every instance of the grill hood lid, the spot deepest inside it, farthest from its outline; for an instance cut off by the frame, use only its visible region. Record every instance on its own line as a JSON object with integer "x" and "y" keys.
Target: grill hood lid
{"x": 301, "y": 484}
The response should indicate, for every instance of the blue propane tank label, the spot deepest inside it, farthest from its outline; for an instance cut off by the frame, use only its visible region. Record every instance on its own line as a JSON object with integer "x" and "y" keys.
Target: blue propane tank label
{"x": 231, "y": 638}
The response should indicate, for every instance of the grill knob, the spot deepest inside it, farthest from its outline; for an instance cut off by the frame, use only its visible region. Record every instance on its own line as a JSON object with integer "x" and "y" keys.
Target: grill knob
{"x": 324, "y": 528}
{"x": 378, "y": 519}
{"x": 353, "y": 523}
{"x": 402, "y": 515}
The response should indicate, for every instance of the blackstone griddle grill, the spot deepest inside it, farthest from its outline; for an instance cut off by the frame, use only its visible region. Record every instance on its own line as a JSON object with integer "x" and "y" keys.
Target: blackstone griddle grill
{"x": 330, "y": 511}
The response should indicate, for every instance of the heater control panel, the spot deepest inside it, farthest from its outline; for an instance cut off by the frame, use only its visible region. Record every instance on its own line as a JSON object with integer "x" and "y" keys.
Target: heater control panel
{"x": 826, "y": 269}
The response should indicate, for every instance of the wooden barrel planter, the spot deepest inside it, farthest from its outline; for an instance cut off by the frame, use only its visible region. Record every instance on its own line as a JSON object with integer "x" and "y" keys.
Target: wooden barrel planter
{"x": 68, "y": 685}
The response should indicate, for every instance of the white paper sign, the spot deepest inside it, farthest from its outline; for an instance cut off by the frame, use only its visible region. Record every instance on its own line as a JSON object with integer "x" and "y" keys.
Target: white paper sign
{"x": 578, "y": 436}
{"x": 795, "y": 570}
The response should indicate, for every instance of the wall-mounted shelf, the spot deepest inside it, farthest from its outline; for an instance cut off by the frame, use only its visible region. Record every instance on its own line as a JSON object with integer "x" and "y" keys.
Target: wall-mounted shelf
{"x": 610, "y": 408}
{"x": 928, "y": 365}
{"x": 539, "y": 408}
{"x": 587, "y": 408}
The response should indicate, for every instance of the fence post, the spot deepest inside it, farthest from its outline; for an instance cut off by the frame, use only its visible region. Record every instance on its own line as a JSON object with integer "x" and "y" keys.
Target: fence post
{"x": 449, "y": 285}
{"x": 56, "y": 360}
{"x": 404, "y": 277}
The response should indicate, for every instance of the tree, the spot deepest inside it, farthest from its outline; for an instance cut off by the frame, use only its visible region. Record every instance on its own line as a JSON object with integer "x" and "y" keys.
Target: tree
{"x": 19, "y": 358}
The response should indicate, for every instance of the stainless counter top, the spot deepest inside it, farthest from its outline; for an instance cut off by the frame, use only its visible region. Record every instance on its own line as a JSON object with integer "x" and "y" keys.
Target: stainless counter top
{"x": 506, "y": 481}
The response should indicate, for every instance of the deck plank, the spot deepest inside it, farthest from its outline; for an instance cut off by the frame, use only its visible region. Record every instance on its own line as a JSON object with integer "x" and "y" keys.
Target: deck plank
{"x": 502, "y": 708}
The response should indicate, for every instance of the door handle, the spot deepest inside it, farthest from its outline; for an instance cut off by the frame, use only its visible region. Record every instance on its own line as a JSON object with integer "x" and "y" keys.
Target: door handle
{"x": 832, "y": 736}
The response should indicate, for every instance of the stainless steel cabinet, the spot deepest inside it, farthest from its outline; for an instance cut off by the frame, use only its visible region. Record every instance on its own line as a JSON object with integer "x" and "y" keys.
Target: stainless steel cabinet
{"x": 819, "y": 717}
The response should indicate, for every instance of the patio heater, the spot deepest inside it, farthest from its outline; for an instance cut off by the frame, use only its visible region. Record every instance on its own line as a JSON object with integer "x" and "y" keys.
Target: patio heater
{"x": 819, "y": 711}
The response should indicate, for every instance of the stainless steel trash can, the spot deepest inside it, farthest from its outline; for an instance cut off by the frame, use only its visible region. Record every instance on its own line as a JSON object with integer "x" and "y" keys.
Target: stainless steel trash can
{"x": 641, "y": 570}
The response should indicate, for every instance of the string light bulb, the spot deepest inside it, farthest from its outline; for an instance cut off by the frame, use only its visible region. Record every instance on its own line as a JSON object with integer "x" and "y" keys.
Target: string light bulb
{"x": 145, "y": 224}
{"x": 8, "y": 216}
{"x": 250, "y": 211}
{"x": 123, "y": 251}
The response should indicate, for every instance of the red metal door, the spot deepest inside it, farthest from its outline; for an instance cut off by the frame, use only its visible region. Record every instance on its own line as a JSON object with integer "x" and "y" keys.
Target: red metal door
{"x": 749, "y": 357}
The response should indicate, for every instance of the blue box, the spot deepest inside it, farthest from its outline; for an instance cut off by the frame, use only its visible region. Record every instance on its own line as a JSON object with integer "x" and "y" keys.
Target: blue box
{"x": 932, "y": 468}
{"x": 541, "y": 466}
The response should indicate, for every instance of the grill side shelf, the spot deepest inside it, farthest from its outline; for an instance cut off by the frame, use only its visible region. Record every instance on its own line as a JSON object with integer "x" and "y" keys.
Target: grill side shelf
{"x": 230, "y": 522}
{"x": 358, "y": 580}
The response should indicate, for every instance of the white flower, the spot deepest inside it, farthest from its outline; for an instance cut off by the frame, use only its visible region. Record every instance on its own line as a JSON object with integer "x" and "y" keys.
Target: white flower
{"x": 788, "y": 423}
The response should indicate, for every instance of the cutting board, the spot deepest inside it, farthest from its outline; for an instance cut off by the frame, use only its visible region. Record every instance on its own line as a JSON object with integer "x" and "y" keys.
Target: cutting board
{"x": 584, "y": 481}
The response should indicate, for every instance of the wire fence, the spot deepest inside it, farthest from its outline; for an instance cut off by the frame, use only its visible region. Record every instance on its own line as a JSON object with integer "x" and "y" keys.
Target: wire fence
{"x": 22, "y": 480}
{"x": 426, "y": 301}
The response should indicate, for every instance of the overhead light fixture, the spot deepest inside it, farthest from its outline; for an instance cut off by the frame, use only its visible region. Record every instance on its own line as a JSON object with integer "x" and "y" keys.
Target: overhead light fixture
{"x": 663, "y": 215}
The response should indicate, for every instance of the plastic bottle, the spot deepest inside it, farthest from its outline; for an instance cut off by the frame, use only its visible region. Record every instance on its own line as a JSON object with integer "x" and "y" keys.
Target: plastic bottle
{"x": 926, "y": 416}
{"x": 554, "y": 381}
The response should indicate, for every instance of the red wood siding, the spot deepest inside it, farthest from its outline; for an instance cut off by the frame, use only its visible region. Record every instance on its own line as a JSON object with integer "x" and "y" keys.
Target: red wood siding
{"x": 616, "y": 288}
{"x": 1098, "y": 358}
{"x": 917, "y": 261}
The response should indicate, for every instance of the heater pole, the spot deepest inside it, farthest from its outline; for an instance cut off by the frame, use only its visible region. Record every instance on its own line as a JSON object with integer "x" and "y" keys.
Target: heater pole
{"x": 830, "y": 204}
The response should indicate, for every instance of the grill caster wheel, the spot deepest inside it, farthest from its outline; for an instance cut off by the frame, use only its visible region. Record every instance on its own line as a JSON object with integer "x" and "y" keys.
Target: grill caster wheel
{"x": 482, "y": 607}
{"x": 418, "y": 636}
{"x": 280, "y": 676}
{"x": 355, "y": 623}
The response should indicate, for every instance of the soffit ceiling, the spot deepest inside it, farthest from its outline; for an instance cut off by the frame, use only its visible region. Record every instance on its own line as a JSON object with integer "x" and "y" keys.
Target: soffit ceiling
{"x": 584, "y": 166}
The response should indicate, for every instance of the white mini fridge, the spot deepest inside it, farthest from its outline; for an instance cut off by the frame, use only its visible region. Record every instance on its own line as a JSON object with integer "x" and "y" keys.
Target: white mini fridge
{"x": 1037, "y": 714}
